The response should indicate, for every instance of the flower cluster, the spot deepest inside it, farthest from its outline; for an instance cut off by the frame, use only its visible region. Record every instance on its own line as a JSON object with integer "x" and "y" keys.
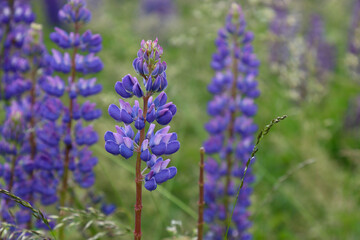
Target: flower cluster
{"x": 15, "y": 18}
{"x": 162, "y": 8}
{"x": 150, "y": 145}
{"x": 13, "y": 136}
{"x": 32, "y": 173}
{"x": 324, "y": 52}
{"x": 231, "y": 128}
{"x": 283, "y": 27}
{"x": 79, "y": 58}
{"x": 312, "y": 57}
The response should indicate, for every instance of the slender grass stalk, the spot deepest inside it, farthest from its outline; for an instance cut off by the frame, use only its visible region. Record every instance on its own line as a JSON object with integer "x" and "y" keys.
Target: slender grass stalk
{"x": 201, "y": 202}
{"x": 35, "y": 212}
{"x": 281, "y": 180}
{"x": 260, "y": 136}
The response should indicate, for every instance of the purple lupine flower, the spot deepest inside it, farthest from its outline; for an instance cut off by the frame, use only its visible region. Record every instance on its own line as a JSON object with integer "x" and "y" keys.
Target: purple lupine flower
{"x": 13, "y": 134}
{"x": 75, "y": 58}
{"x": 325, "y": 54}
{"x": 353, "y": 42}
{"x": 283, "y": 27}
{"x": 33, "y": 174}
{"x": 14, "y": 24}
{"x": 162, "y": 8}
{"x": 108, "y": 209}
{"x": 148, "y": 144}
{"x": 231, "y": 128}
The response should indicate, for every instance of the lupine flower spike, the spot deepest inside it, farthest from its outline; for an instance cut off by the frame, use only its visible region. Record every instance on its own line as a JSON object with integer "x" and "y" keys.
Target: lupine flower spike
{"x": 231, "y": 128}
{"x": 25, "y": 170}
{"x": 150, "y": 145}
{"x": 80, "y": 60}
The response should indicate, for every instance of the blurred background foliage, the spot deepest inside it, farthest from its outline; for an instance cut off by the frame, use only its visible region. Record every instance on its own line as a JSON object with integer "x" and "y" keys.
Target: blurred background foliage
{"x": 318, "y": 201}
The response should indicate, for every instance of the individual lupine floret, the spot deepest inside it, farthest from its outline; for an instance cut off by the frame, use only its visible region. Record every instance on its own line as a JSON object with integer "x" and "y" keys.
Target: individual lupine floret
{"x": 51, "y": 108}
{"x": 75, "y": 12}
{"x": 231, "y": 128}
{"x": 162, "y": 142}
{"x": 128, "y": 114}
{"x": 148, "y": 145}
{"x": 88, "y": 87}
{"x": 53, "y": 86}
{"x": 159, "y": 110}
{"x": 128, "y": 87}
{"x": 89, "y": 111}
{"x": 85, "y": 135}
{"x": 120, "y": 142}
{"x": 90, "y": 42}
{"x": 65, "y": 40}
{"x": 159, "y": 173}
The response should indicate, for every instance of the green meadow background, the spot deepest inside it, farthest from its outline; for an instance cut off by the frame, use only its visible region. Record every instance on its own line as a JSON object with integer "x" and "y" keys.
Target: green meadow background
{"x": 319, "y": 197}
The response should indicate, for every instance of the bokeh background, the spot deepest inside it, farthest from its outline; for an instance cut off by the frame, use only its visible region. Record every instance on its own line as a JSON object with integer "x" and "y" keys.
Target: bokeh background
{"x": 307, "y": 169}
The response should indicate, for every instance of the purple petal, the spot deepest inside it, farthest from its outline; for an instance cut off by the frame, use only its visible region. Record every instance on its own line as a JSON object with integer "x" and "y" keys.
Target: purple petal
{"x": 162, "y": 176}
{"x": 112, "y": 147}
{"x": 119, "y": 88}
{"x": 172, "y": 147}
{"x": 150, "y": 185}
{"x": 114, "y": 112}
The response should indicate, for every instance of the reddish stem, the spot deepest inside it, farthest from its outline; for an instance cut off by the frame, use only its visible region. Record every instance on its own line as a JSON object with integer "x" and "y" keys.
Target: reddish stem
{"x": 201, "y": 202}
{"x": 229, "y": 156}
{"x": 32, "y": 133}
{"x": 138, "y": 178}
{"x": 68, "y": 147}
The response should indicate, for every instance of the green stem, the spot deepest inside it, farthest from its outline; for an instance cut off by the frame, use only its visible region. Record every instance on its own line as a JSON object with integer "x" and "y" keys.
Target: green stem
{"x": 262, "y": 134}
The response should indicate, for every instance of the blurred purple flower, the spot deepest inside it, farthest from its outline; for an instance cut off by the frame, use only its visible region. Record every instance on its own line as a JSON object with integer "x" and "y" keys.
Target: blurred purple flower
{"x": 231, "y": 128}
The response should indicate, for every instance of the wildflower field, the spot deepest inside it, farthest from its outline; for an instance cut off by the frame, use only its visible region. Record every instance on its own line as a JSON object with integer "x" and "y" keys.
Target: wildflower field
{"x": 105, "y": 105}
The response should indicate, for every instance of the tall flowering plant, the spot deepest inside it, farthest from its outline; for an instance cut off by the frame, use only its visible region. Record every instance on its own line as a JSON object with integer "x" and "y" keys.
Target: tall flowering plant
{"x": 23, "y": 63}
{"x": 77, "y": 61}
{"x": 148, "y": 144}
{"x": 231, "y": 128}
